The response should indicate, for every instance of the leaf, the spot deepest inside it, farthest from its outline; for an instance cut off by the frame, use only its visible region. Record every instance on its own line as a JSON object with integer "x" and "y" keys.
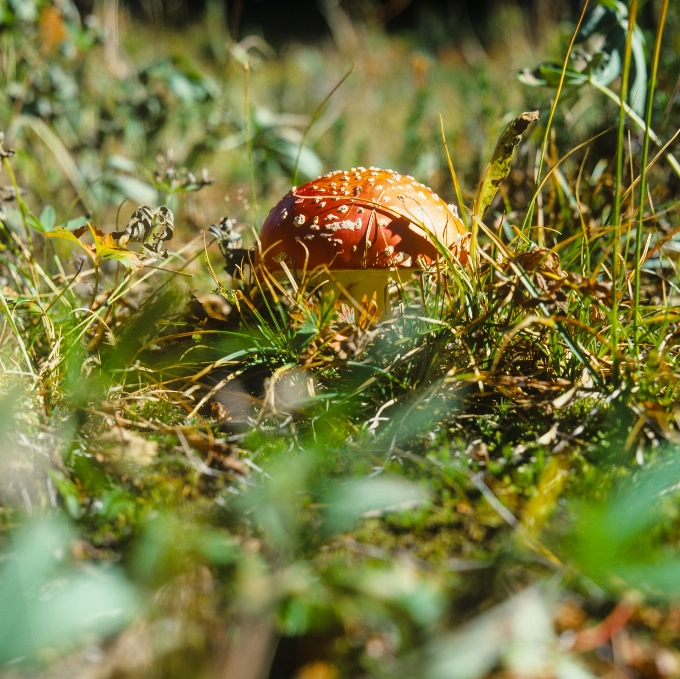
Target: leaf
{"x": 73, "y": 236}
{"x": 599, "y": 54}
{"x": 106, "y": 249}
{"x": 149, "y": 226}
{"x": 516, "y": 635}
{"x": 134, "y": 188}
{"x": 48, "y": 218}
{"x": 354, "y": 499}
{"x": 52, "y": 29}
{"x": 76, "y": 222}
{"x": 49, "y": 603}
{"x": 499, "y": 167}
{"x": 126, "y": 450}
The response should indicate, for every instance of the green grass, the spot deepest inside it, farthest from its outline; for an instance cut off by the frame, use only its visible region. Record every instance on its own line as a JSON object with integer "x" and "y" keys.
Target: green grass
{"x": 203, "y": 476}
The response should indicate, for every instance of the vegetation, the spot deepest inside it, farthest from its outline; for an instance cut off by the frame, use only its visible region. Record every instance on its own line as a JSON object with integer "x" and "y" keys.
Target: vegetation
{"x": 208, "y": 472}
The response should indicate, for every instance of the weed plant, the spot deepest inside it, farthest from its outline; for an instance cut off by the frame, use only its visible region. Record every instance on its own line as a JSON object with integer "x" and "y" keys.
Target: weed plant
{"x": 217, "y": 473}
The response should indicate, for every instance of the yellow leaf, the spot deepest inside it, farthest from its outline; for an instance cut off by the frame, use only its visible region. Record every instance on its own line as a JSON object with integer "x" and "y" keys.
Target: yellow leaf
{"x": 73, "y": 236}
{"x": 52, "y": 29}
{"x": 106, "y": 249}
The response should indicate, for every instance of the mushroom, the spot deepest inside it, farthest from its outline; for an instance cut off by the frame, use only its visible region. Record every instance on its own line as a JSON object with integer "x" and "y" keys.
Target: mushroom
{"x": 364, "y": 225}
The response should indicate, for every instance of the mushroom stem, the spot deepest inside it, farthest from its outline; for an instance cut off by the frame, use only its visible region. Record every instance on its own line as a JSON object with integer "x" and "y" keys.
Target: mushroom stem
{"x": 360, "y": 283}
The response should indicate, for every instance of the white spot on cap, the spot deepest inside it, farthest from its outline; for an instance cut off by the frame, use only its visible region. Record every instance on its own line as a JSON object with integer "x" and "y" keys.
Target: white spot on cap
{"x": 344, "y": 224}
{"x": 284, "y": 213}
{"x": 300, "y": 220}
{"x": 343, "y": 208}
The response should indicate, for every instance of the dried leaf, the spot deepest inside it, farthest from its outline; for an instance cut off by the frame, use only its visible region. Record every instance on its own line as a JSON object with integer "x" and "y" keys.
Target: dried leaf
{"x": 126, "y": 450}
{"x": 213, "y": 307}
{"x": 499, "y": 167}
{"x": 218, "y": 453}
{"x": 52, "y": 29}
{"x": 148, "y": 226}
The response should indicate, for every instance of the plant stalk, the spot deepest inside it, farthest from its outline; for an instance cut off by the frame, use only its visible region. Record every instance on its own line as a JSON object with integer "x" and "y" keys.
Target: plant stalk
{"x": 546, "y": 136}
{"x": 672, "y": 160}
{"x": 643, "y": 176}
{"x": 616, "y": 217}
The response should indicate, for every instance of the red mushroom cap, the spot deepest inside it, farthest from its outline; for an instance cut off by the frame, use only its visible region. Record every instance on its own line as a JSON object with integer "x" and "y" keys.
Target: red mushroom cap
{"x": 359, "y": 219}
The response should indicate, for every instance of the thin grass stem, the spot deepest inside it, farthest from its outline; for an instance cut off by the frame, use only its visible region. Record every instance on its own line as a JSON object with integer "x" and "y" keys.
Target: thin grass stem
{"x": 616, "y": 214}
{"x": 643, "y": 175}
{"x": 249, "y": 143}
{"x": 672, "y": 160}
{"x": 546, "y": 136}
{"x": 315, "y": 117}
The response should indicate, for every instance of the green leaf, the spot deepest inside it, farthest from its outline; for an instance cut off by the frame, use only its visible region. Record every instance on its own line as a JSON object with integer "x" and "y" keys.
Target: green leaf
{"x": 48, "y": 603}
{"x": 136, "y": 189}
{"x": 605, "y": 26}
{"x": 76, "y": 223}
{"x": 48, "y": 218}
{"x": 352, "y": 500}
{"x": 499, "y": 166}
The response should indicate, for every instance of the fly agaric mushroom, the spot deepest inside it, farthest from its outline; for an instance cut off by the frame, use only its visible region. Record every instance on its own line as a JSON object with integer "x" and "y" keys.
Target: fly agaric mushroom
{"x": 361, "y": 224}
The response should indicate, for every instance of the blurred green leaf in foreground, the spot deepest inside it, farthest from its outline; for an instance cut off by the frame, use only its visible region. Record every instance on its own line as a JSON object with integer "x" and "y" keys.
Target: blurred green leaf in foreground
{"x": 48, "y": 601}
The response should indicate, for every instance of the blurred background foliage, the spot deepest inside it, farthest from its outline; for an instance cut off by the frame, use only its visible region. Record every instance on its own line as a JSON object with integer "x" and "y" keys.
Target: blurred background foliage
{"x": 148, "y": 538}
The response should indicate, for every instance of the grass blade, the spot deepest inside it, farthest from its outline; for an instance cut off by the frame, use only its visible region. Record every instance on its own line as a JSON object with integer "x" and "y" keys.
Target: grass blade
{"x": 643, "y": 175}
